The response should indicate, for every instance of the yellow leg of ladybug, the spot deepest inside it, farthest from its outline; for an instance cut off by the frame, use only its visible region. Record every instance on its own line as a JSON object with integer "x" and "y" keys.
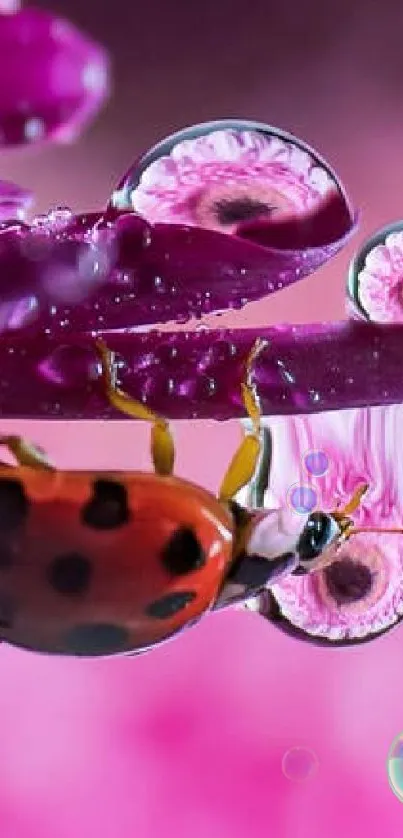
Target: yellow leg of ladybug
{"x": 162, "y": 444}
{"x": 25, "y": 453}
{"x": 244, "y": 462}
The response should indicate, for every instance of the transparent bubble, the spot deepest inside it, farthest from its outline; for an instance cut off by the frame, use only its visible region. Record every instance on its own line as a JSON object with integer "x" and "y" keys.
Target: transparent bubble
{"x": 394, "y": 766}
{"x": 302, "y": 499}
{"x": 316, "y": 463}
{"x": 299, "y": 764}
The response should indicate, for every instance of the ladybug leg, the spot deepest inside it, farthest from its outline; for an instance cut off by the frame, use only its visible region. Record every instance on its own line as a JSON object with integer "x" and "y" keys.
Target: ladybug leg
{"x": 244, "y": 462}
{"x": 25, "y": 453}
{"x": 162, "y": 444}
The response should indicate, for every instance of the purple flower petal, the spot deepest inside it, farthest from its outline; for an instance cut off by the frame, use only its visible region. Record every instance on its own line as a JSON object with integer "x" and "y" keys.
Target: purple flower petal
{"x": 54, "y": 79}
{"x": 305, "y": 369}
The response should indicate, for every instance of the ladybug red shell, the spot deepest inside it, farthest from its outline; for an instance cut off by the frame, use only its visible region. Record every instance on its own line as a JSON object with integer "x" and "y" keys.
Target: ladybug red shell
{"x": 107, "y": 563}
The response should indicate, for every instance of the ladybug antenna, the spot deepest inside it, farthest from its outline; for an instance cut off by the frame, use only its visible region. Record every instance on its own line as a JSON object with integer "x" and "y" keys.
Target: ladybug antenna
{"x": 343, "y": 519}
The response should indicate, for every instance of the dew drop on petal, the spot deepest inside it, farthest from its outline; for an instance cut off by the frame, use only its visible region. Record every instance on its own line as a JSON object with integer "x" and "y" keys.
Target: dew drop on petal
{"x": 69, "y": 366}
{"x": 394, "y": 766}
{"x": 299, "y": 764}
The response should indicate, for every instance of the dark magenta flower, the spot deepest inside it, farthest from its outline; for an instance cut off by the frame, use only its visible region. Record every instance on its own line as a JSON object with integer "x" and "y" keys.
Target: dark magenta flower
{"x": 53, "y": 78}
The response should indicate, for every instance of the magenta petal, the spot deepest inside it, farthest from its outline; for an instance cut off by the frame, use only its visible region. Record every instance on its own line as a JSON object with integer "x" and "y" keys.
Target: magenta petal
{"x": 53, "y": 78}
{"x": 305, "y": 369}
{"x": 157, "y": 273}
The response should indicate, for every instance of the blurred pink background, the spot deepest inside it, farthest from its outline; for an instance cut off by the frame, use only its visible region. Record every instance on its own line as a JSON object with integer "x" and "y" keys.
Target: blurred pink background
{"x": 189, "y": 741}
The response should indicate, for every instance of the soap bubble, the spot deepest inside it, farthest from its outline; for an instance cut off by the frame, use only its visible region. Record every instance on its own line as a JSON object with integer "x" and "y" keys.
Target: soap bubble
{"x": 299, "y": 764}
{"x": 395, "y": 766}
{"x": 302, "y": 499}
{"x": 316, "y": 463}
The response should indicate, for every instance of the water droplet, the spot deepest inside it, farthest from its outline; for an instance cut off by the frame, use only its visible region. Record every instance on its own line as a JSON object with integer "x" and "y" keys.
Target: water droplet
{"x": 316, "y": 463}
{"x": 285, "y": 374}
{"x": 302, "y": 499}
{"x": 394, "y": 767}
{"x": 69, "y": 366}
{"x": 220, "y": 352}
{"x": 197, "y": 388}
{"x": 299, "y": 764}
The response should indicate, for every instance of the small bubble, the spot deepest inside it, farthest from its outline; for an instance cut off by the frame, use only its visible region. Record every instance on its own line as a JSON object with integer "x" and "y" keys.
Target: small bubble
{"x": 299, "y": 764}
{"x": 316, "y": 463}
{"x": 303, "y": 499}
{"x": 314, "y": 396}
{"x": 394, "y": 766}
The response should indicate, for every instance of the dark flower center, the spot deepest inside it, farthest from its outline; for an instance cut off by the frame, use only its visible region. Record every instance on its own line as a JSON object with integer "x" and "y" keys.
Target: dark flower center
{"x": 240, "y": 209}
{"x": 348, "y": 581}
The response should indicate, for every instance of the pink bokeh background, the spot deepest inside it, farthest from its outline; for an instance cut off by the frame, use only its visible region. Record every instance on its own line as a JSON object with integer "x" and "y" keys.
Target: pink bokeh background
{"x": 189, "y": 740}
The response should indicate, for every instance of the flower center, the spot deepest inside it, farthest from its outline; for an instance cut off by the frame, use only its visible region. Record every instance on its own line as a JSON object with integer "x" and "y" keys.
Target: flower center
{"x": 348, "y": 581}
{"x": 240, "y": 209}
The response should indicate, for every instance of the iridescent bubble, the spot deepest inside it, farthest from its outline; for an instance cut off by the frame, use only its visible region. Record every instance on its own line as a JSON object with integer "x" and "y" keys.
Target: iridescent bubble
{"x": 302, "y": 499}
{"x": 299, "y": 764}
{"x": 394, "y": 766}
{"x": 316, "y": 463}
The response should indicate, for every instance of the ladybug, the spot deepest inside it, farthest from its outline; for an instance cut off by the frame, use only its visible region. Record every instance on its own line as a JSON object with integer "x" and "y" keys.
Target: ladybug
{"x": 108, "y": 563}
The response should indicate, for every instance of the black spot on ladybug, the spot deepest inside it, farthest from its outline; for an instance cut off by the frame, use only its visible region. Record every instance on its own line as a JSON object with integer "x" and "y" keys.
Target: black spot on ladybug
{"x": 96, "y": 639}
{"x": 170, "y": 604}
{"x": 14, "y": 504}
{"x": 70, "y": 574}
{"x": 108, "y": 507}
{"x": 183, "y": 553}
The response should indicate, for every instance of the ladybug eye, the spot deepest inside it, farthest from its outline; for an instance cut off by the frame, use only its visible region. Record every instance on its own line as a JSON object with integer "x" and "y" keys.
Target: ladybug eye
{"x": 319, "y": 531}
